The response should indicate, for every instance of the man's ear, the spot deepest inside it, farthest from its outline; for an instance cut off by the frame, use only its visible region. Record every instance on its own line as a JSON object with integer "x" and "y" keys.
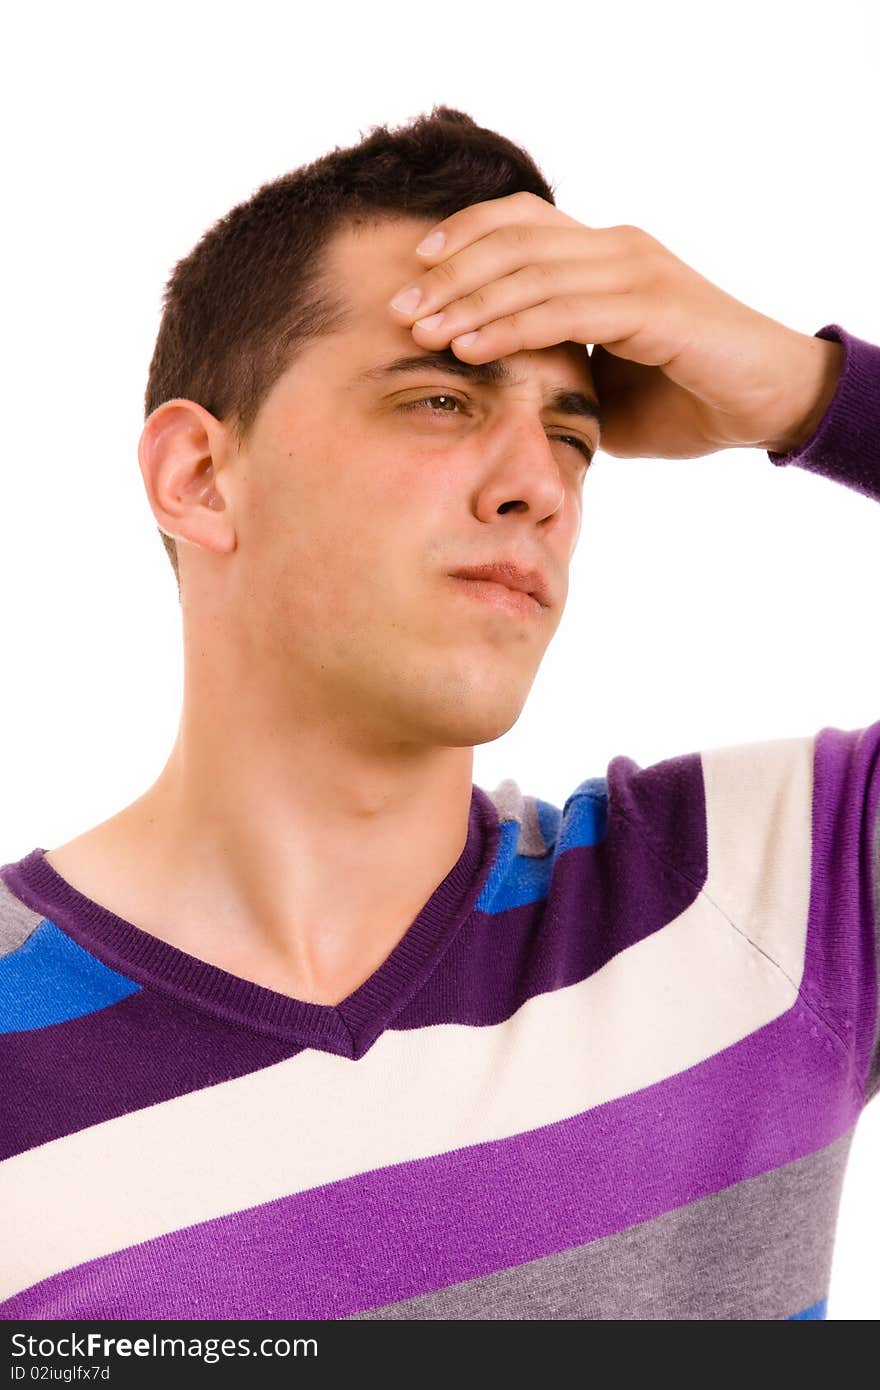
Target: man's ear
{"x": 181, "y": 452}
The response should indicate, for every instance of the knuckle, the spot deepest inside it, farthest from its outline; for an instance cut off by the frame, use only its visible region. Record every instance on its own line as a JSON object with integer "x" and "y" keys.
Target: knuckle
{"x": 479, "y": 299}
{"x": 446, "y": 272}
{"x": 546, "y": 271}
{"x": 514, "y": 322}
{"x": 518, "y": 234}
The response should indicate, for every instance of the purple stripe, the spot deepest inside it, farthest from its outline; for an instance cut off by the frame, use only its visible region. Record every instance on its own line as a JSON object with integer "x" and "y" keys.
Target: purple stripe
{"x": 141, "y": 1050}
{"x": 783, "y": 1092}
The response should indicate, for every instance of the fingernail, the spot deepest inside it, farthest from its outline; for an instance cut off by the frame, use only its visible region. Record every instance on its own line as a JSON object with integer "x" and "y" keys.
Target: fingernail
{"x": 465, "y": 339}
{"x": 406, "y": 301}
{"x": 431, "y": 244}
{"x": 431, "y": 321}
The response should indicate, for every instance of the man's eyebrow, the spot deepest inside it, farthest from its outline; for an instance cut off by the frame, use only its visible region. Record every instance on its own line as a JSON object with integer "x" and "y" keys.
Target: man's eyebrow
{"x": 495, "y": 373}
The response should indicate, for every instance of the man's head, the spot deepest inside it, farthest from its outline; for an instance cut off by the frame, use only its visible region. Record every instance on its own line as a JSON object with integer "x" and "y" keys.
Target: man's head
{"x": 323, "y": 501}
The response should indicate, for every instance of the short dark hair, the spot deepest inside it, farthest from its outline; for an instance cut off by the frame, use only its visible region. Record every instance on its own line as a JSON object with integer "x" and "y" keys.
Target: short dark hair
{"x": 252, "y": 294}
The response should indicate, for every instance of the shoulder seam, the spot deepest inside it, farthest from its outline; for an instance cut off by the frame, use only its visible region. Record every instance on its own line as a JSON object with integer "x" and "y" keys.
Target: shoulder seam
{"x": 807, "y": 1003}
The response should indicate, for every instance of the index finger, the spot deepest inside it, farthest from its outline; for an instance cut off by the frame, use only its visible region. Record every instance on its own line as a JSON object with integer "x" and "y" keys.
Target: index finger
{"x": 477, "y": 220}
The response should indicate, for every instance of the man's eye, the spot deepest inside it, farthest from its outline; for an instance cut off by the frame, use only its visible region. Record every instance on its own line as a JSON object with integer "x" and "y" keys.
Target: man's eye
{"x": 414, "y": 405}
{"x": 571, "y": 439}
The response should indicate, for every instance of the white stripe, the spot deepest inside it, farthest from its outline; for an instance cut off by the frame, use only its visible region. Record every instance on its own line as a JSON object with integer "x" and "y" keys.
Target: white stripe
{"x": 664, "y": 1004}
{"x": 759, "y": 812}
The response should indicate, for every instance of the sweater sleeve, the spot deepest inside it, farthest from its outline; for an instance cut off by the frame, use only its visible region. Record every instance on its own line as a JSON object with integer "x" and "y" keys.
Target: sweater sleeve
{"x": 845, "y": 448}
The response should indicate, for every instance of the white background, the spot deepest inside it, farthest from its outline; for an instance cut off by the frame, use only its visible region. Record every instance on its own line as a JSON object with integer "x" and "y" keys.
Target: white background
{"x": 712, "y": 601}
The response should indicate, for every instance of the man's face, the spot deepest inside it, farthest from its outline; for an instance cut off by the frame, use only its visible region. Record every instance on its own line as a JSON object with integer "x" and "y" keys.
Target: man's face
{"x": 351, "y": 510}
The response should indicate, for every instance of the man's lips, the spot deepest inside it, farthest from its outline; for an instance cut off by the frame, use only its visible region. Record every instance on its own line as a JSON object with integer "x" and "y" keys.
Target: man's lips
{"x": 498, "y": 596}
{"x": 512, "y": 576}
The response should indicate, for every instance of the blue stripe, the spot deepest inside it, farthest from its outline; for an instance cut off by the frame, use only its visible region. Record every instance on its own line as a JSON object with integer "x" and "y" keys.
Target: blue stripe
{"x": 515, "y": 880}
{"x": 51, "y": 979}
{"x": 815, "y": 1310}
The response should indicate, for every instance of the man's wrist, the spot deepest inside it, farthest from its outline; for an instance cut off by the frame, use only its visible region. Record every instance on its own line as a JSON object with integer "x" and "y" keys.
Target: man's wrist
{"x": 818, "y": 374}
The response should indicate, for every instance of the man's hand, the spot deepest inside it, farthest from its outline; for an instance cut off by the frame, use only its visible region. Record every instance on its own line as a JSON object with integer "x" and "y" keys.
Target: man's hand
{"x": 681, "y": 368}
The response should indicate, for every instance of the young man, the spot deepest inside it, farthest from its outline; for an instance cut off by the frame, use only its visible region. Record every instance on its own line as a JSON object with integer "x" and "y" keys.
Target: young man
{"x": 316, "y": 1027}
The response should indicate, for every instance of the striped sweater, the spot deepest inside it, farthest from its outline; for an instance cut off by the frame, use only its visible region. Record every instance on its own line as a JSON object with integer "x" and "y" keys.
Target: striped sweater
{"x": 612, "y": 1070}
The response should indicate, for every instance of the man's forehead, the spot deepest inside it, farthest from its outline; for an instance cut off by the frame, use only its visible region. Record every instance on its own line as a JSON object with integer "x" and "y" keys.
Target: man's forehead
{"x": 371, "y": 262}
{"x": 372, "y": 257}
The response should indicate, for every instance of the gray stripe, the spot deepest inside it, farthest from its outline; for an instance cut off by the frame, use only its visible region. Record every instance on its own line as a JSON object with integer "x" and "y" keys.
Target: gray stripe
{"x": 511, "y": 804}
{"x": 17, "y": 921}
{"x": 874, "y": 1074}
{"x": 758, "y": 1250}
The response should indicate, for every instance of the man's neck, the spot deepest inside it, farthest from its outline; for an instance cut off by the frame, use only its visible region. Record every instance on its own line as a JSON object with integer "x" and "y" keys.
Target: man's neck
{"x": 278, "y": 884}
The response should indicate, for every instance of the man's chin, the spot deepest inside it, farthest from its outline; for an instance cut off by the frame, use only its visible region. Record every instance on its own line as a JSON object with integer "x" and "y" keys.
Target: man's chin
{"x": 467, "y": 728}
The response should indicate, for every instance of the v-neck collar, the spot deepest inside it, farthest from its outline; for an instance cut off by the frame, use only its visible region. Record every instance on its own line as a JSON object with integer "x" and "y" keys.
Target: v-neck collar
{"x": 348, "y": 1028}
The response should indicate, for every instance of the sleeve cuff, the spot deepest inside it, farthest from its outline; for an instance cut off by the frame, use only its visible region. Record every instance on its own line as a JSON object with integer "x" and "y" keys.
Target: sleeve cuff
{"x": 845, "y": 446}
